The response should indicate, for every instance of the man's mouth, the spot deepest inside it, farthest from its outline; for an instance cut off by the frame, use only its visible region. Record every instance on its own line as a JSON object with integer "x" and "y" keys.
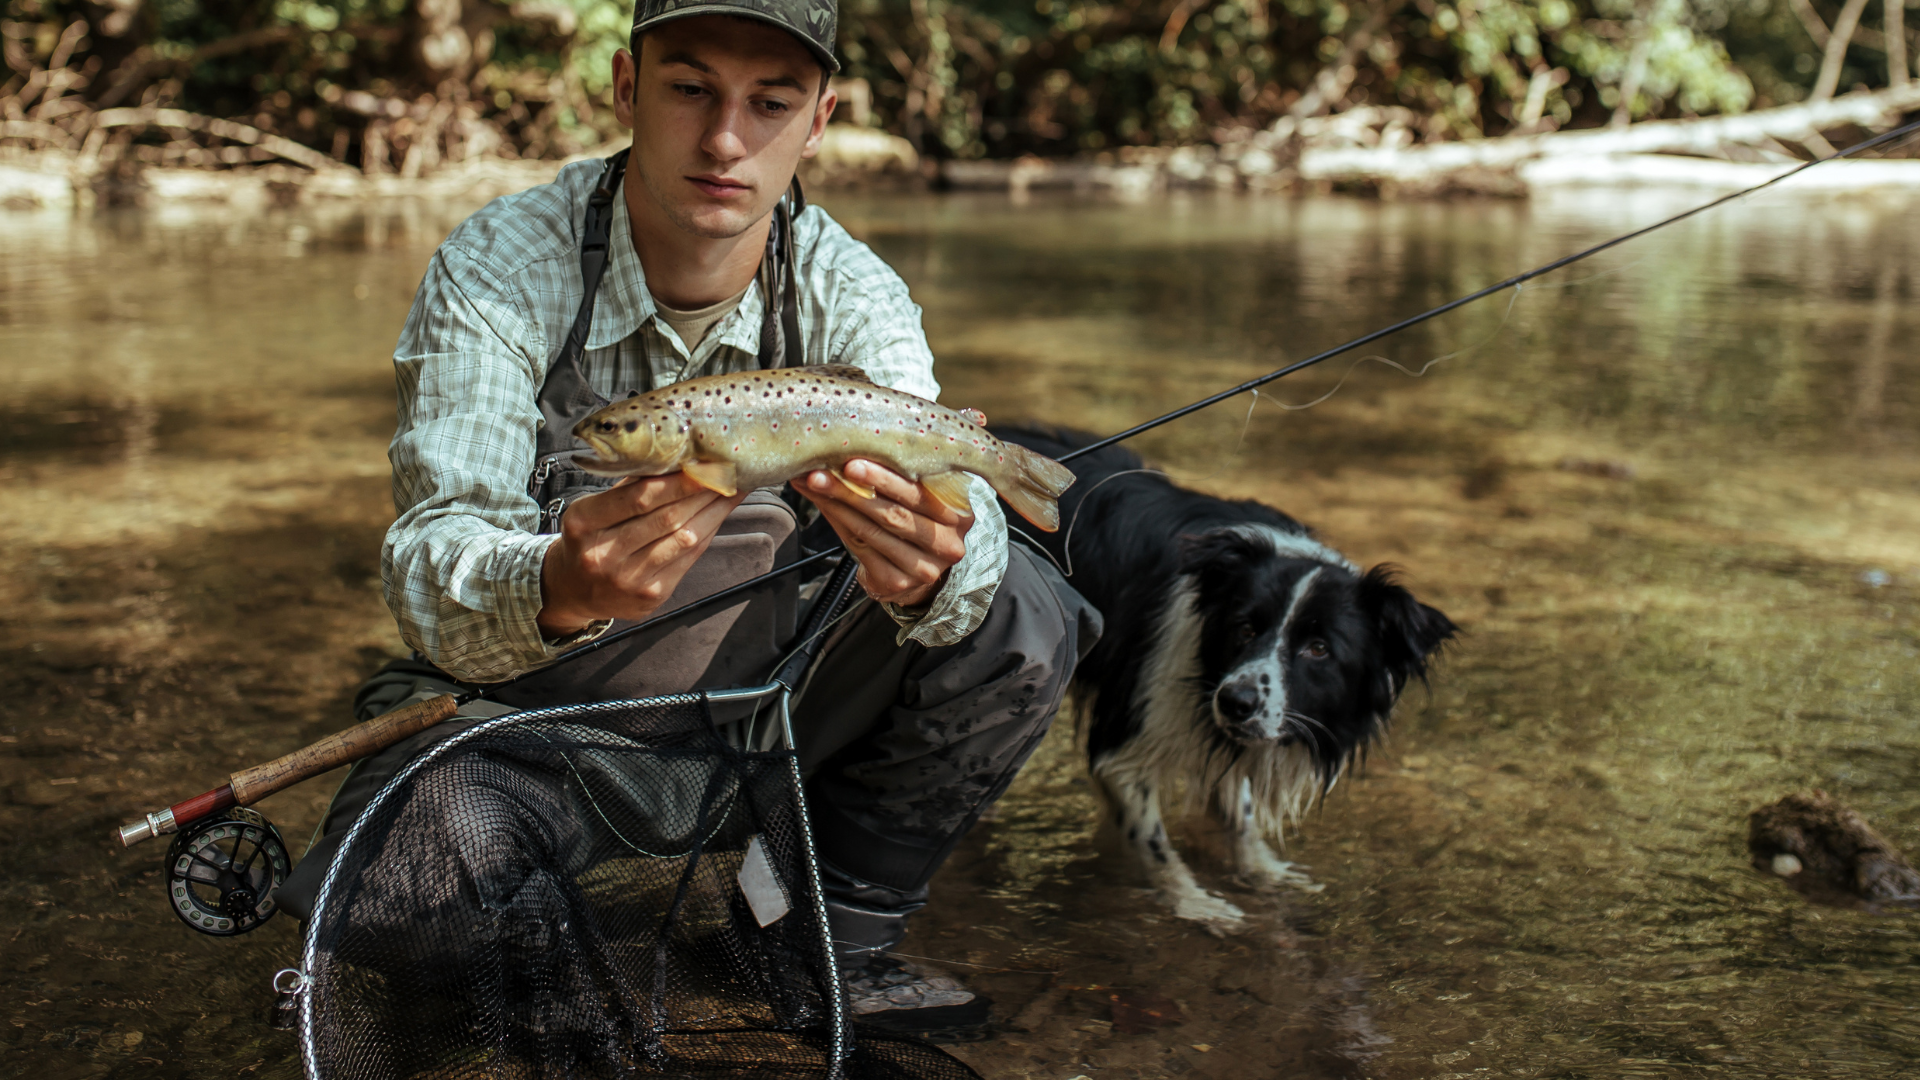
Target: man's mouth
{"x": 719, "y": 187}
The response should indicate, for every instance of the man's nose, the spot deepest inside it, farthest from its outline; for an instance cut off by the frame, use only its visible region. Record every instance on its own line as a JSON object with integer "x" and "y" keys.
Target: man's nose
{"x": 723, "y": 141}
{"x": 1237, "y": 700}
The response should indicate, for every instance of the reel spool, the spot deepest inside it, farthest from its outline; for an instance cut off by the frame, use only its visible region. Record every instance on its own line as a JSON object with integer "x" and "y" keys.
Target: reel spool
{"x": 222, "y": 872}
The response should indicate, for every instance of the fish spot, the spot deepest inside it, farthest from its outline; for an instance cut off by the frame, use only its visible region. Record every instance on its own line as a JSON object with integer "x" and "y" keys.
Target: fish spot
{"x": 728, "y": 401}
{"x": 633, "y": 425}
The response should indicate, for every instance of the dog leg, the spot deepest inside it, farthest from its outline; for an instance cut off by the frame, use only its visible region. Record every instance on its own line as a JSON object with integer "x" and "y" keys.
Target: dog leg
{"x": 1137, "y": 813}
{"x": 1257, "y": 862}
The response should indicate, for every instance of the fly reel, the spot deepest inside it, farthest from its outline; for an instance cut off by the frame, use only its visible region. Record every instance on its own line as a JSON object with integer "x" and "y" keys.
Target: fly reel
{"x": 222, "y": 872}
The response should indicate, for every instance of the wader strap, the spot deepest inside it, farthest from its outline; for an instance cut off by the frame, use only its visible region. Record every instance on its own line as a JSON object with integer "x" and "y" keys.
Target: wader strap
{"x": 596, "y": 236}
{"x": 780, "y": 344}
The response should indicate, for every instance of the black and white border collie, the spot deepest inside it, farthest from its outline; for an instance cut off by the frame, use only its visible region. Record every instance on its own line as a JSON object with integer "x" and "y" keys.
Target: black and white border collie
{"x": 1243, "y": 667}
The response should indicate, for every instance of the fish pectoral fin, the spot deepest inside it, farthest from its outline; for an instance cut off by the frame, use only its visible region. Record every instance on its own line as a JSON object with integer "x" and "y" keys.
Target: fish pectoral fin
{"x": 861, "y": 490}
{"x": 715, "y": 476}
{"x": 839, "y": 371}
{"x": 950, "y": 488}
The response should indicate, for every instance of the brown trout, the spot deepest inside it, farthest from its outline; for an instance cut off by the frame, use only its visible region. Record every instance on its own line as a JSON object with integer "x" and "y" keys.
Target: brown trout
{"x": 758, "y": 428}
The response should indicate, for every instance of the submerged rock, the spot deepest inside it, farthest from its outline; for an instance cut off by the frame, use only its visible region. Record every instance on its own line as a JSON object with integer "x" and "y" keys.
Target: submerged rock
{"x": 1827, "y": 852}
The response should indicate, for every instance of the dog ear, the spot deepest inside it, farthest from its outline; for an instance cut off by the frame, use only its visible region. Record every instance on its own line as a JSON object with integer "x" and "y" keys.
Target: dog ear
{"x": 1410, "y": 631}
{"x": 1219, "y": 558}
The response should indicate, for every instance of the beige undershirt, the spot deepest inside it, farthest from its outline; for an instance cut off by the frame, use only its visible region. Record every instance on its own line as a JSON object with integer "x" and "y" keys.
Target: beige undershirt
{"x": 693, "y": 326}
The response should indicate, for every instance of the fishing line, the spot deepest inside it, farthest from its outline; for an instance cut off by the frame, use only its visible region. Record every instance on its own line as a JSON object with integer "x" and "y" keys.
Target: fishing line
{"x": 1394, "y": 364}
{"x": 1250, "y": 385}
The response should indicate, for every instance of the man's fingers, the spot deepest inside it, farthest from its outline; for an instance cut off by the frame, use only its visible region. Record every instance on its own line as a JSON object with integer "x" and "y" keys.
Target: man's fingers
{"x": 652, "y": 573}
{"x": 892, "y": 563}
{"x": 625, "y": 538}
{"x": 908, "y": 493}
{"x": 632, "y": 497}
{"x": 922, "y": 529}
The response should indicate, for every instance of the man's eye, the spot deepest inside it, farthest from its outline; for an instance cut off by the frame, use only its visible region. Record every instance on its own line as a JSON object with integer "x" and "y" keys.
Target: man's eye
{"x": 689, "y": 89}
{"x": 775, "y": 107}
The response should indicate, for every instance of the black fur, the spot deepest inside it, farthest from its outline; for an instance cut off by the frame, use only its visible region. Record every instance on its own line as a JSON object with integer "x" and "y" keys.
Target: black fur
{"x": 1134, "y": 536}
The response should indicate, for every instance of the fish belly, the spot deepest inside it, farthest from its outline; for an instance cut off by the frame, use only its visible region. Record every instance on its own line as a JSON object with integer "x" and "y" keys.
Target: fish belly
{"x": 764, "y": 456}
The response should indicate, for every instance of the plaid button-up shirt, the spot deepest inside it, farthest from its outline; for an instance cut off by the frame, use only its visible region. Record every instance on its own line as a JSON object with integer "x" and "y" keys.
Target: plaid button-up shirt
{"x": 461, "y": 565}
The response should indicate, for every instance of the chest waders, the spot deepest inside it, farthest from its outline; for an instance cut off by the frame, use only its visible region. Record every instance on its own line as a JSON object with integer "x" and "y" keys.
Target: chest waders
{"x": 739, "y": 645}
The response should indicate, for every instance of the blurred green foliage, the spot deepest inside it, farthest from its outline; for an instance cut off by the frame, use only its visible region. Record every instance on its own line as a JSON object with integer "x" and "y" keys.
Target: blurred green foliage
{"x": 367, "y": 79}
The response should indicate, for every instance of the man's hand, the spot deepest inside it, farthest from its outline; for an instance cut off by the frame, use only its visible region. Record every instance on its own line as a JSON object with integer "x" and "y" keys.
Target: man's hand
{"x": 623, "y": 551}
{"x": 904, "y": 539}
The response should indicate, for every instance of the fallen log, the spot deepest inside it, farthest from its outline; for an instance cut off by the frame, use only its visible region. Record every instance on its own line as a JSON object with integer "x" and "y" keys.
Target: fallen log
{"x": 182, "y": 120}
{"x": 1432, "y": 163}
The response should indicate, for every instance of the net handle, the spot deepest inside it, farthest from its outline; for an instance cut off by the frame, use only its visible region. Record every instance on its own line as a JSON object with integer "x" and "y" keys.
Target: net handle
{"x": 833, "y": 599}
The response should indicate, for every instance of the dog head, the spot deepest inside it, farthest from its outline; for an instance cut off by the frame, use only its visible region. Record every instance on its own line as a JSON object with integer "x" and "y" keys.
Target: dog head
{"x": 1298, "y": 646}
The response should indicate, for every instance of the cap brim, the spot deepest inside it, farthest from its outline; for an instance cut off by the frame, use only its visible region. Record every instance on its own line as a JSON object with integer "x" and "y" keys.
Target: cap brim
{"x": 825, "y": 56}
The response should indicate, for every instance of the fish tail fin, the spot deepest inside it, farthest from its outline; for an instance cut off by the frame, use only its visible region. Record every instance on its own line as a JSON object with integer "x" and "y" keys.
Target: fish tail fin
{"x": 1035, "y": 486}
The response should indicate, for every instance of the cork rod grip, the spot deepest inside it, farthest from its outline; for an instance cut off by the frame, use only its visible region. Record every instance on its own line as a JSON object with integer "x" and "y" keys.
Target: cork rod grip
{"x": 340, "y": 748}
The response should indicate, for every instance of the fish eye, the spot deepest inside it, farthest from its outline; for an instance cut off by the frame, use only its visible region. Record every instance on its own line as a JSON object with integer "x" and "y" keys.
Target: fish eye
{"x": 607, "y": 425}
{"x": 1315, "y": 649}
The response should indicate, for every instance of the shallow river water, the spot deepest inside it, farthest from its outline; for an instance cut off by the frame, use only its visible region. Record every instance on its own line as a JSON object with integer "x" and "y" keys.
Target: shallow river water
{"x": 1672, "y": 495}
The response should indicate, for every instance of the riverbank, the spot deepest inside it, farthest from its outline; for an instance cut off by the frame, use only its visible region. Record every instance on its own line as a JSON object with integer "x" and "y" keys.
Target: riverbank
{"x": 1366, "y": 150}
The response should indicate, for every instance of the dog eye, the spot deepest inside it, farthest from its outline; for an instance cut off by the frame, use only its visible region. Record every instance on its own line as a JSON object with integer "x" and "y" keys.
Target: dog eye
{"x": 1314, "y": 648}
{"x": 1245, "y": 632}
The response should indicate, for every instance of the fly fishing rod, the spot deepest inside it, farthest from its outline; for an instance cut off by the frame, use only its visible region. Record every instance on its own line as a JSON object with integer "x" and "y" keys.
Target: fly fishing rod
{"x": 239, "y": 827}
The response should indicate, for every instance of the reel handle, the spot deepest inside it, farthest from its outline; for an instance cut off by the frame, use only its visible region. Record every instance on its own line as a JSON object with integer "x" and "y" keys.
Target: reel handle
{"x": 249, "y": 786}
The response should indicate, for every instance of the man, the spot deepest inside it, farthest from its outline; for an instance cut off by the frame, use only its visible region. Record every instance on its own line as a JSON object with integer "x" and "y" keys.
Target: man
{"x": 693, "y": 256}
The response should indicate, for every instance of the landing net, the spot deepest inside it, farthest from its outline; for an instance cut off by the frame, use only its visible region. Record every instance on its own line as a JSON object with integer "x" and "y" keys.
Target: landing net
{"x": 607, "y": 890}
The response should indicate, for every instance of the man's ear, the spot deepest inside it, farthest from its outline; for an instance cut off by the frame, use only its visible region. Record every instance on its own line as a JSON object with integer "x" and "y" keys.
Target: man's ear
{"x": 626, "y": 75}
{"x": 822, "y": 111}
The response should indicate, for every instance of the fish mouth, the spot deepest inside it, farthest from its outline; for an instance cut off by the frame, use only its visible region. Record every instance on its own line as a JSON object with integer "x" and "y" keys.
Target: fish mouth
{"x": 600, "y": 460}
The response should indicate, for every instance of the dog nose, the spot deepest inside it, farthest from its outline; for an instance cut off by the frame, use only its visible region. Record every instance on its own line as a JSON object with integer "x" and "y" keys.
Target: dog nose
{"x": 1237, "y": 701}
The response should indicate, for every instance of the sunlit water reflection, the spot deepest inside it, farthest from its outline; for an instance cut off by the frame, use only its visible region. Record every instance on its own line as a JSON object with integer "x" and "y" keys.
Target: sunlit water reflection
{"x": 1672, "y": 494}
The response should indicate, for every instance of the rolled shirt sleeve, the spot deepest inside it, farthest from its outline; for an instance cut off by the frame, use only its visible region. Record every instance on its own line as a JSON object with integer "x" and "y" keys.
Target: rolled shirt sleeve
{"x": 462, "y": 561}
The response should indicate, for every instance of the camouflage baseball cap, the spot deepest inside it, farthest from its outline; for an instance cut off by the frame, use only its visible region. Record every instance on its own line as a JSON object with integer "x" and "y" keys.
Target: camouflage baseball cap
{"x": 812, "y": 21}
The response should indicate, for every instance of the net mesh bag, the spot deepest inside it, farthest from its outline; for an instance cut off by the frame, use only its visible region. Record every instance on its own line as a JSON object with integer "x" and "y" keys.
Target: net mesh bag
{"x": 592, "y": 891}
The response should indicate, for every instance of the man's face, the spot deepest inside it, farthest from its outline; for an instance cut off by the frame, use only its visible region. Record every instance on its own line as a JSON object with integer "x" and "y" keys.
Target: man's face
{"x": 722, "y": 110}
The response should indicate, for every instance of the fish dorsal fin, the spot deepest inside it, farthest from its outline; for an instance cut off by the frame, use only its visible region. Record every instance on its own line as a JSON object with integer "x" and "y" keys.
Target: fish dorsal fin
{"x": 839, "y": 371}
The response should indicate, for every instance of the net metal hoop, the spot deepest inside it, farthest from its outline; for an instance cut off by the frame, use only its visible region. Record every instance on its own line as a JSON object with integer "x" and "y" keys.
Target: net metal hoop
{"x": 839, "y": 1028}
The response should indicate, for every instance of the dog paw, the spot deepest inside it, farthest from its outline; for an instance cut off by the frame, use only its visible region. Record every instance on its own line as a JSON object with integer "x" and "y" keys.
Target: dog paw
{"x": 1275, "y": 874}
{"x": 1219, "y": 917}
